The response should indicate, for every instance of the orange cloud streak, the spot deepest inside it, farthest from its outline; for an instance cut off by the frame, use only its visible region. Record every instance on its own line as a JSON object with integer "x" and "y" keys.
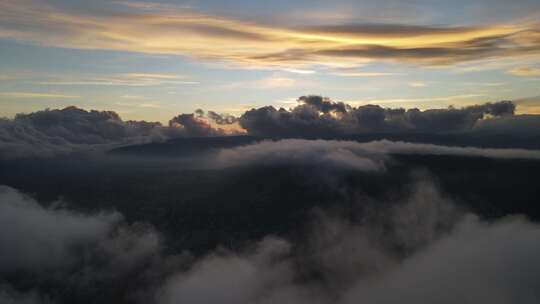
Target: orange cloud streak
{"x": 188, "y": 33}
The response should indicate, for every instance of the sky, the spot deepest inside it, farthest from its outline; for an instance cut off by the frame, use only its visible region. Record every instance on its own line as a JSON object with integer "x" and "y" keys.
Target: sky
{"x": 154, "y": 59}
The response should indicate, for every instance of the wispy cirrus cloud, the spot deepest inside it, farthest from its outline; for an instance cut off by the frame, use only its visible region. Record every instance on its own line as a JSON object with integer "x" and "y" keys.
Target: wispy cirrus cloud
{"x": 34, "y": 95}
{"x": 418, "y": 84}
{"x": 420, "y": 102}
{"x": 525, "y": 71}
{"x": 140, "y": 104}
{"x": 363, "y": 74}
{"x": 271, "y": 82}
{"x": 275, "y": 82}
{"x": 182, "y": 31}
{"x": 127, "y": 79}
{"x": 529, "y": 105}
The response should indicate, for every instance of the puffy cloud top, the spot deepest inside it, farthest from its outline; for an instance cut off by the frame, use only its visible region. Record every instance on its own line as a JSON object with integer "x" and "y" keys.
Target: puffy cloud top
{"x": 318, "y": 116}
{"x": 65, "y": 130}
{"x": 73, "y": 129}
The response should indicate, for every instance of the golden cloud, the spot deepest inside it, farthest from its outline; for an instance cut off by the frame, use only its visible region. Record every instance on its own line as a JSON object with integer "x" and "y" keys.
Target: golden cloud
{"x": 525, "y": 71}
{"x": 530, "y": 105}
{"x": 193, "y": 34}
{"x": 128, "y": 79}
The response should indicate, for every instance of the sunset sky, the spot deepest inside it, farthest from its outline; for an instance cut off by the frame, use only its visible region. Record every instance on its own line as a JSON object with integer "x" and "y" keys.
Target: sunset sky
{"x": 151, "y": 60}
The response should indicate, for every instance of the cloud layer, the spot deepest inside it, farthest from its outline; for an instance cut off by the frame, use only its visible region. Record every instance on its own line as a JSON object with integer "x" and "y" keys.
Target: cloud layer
{"x": 346, "y": 155}
{"x": 48, "y": 132}
{"x": 317, "y": 116}
{"x": 156, "y": 30}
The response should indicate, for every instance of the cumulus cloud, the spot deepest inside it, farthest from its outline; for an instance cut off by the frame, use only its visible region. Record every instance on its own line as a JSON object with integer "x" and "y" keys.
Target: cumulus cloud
{"x": 323, "y": 104}
{"x": 48, "y": 132}
{"x": 193, "y": 125}
{"x": 317, "y": 116}
{"x": 221, "y": 119}
{"x": 199, "y": 124}
{"x": 525, "y": 125}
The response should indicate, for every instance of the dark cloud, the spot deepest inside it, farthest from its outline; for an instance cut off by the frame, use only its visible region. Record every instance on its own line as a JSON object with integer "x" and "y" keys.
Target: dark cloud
{"x": 220, "y": 119}
{"x": 50, "y": 131}
{"x": 318, "y": 116}
{"x": 323, "y": 104}
{"x": 452, "y": 119}
{"x": 47, "y": 132}
{"x": 71, "y": 122}
{"x": 303, "y": 120}
{"x": 520, "y": 125}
